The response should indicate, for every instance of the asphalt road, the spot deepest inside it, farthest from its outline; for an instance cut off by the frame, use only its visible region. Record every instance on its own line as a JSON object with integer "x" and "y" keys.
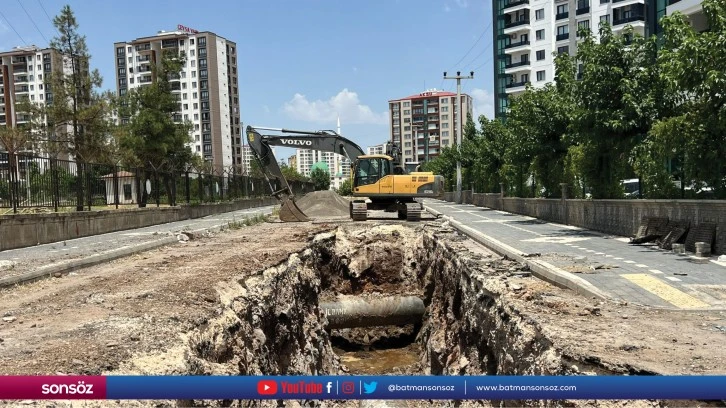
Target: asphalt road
{"x": 634, "y": 273}
{"x": 22, "y": 260}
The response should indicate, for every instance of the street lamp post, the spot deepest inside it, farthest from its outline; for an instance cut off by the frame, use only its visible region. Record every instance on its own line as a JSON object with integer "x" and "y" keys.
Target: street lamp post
{"x": 459, "y": 127}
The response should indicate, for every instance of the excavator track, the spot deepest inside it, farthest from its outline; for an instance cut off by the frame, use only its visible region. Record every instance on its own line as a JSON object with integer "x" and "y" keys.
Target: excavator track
{"x": 359, "y": 211}
{"x": 413, "y": 211}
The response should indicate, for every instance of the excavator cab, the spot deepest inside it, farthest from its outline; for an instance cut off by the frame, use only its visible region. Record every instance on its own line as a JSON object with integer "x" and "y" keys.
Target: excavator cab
{"x": 371, "y": 169}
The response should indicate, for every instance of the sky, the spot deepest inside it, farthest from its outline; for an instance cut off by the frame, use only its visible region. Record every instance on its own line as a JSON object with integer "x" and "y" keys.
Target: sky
{"x": 301, "y": 62}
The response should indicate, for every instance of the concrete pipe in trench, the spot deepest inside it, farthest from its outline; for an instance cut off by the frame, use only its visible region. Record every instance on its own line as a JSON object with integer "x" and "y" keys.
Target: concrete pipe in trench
{"x": 360, "y": 312}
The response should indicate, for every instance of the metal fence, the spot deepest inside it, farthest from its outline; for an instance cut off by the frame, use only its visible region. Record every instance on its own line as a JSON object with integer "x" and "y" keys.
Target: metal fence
{"x": 38, "y": 182}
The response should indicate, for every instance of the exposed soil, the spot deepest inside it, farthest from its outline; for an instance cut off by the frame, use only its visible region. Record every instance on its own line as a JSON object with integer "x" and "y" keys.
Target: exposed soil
{"x": 90, "y": 321}
{"x": 324, "y": 203}
{"x": 239, "y": 303}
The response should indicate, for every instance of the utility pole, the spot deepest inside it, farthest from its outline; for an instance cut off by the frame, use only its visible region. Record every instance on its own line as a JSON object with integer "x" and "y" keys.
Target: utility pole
{"x": 459, "y": 129}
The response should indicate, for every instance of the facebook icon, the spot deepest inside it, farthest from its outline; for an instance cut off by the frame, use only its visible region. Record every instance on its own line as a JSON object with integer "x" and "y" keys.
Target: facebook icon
{"x": 329, "y": 386}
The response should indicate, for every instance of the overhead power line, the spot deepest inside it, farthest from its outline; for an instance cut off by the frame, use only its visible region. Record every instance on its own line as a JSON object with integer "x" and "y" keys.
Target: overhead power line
{"x": 32, "y": 21}
{"x": 46, "y": 13}
{"x": 13, "y": 28}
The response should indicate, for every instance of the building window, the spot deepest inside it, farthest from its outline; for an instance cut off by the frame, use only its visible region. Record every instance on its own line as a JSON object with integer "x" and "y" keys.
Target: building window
{"x": 194, "y": 74}
{"x": 406, "y": 104}
{"x": 444, "y": 117}
{"x": 605, "y": 19}
{"x": 202, "y": 41}
{"x": 186, "y": 106}
{"x": 583, "y": 25}
{"x": 203, "y": 63}
{"x": 196, "y": 117}
{"x": 120, "y": 51}
{"x": 444, "y": 109}
{"x": 192, "y": 63}
{"x": 539, "y": 14}
{"x": 563, "y": 50}
{"x": 444, "y": 126}
{"x": 202, "y": 73}
{"x": 539, "y": 34}
{"x": 562, "y": 9}
{"x": 194, "y": 95}
{"x": 540, "y": 75}
{"x": 540, "y": 55}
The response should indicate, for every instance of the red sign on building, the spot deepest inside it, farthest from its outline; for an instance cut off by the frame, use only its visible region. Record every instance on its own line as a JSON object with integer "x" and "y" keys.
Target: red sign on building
{"x": 186, "y": 29}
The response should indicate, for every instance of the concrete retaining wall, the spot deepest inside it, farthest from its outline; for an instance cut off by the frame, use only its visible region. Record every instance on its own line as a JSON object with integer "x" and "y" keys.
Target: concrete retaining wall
{"x": 618, "y": 217}
{"x": 18, "y": 231}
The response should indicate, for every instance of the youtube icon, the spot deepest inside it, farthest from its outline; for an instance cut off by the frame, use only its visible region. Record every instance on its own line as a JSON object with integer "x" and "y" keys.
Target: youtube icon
{"x": 266, "y": 387}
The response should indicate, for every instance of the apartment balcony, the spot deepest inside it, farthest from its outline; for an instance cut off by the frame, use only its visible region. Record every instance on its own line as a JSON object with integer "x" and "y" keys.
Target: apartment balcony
{"x": 582, "y": 10}
{"x": 563, "y": 37}
{"x": 637, "y": 20}
{"x": 21, "y": 89}
{"x": 145, "y": 80}
{"x": 687, "y": 7}
{"x": 514, "y": 3}
{"x": 515, "y": 26}
{"x": 562, "y": 16}
{"x": 517, "y": 67}
{"x": 516, "y": 86}
{"x": 518, "y": 46}
{"x": 19, "y": 60}
{"x": 21, "y": 79}
{"x": 20, "y": 70}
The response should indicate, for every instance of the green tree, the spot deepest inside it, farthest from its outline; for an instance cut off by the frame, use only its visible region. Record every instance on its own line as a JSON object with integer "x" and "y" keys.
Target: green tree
{"x": 320, "y": 179}
{"x": 693, "y": 70}
{"x": 78, "y": 114}
{"x": 155, "y": 135}
{"x": 291, "y": 173}
{"x": 346, "y": 188}
{"x": 538, "y": 120}
{"x": 615, "y": 104}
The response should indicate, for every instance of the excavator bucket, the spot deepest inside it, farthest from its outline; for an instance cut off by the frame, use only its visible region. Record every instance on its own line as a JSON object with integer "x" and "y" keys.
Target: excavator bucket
{"x": 289, "y": 212}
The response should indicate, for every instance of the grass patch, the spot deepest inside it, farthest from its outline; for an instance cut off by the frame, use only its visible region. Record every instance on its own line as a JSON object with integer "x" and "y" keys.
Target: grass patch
{"x": 246, "y": 222}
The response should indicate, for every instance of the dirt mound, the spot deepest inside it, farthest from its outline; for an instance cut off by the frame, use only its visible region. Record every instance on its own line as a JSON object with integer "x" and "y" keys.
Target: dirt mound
{"x": 326, "y": 203}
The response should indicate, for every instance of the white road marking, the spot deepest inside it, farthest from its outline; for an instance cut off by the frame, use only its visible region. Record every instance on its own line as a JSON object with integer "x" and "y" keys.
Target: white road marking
{"x": 599, "y": 253}
{"x": 618, "y": 259}
{"x": 673, "y": 279}
{"x": 657, "y": 272}
{"x": 630, "y": 262}
{"x": 641, "y": 266}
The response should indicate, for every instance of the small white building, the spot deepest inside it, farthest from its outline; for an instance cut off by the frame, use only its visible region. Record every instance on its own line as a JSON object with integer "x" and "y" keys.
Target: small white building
{"x": 126, "y": 190}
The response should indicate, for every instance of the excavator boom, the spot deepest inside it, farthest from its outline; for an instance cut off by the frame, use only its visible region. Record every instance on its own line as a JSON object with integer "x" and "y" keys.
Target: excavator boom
{"x": 323, "y": 140}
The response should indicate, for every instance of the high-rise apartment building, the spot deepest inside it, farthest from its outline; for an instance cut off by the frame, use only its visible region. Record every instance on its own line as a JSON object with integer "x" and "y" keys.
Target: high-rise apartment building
{"x": 207, "y": 87}
{"x": 24, "y": 76}
{"x": 377, "y": 149}
{"x": 528, "y": 33}
{"x": 424, "y": 123}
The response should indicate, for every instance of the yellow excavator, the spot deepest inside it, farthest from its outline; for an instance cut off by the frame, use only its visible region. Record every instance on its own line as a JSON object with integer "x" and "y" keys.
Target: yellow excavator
{"x": 379, "y": 181}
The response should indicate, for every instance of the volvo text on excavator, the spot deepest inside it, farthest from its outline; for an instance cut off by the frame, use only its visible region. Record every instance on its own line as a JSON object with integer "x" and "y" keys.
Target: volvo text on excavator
{"x": 379, "y": 181}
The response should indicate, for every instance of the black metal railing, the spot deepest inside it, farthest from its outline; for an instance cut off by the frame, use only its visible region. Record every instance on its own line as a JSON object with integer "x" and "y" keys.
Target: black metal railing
{"x": 560, "y": 16}
{"x": 516, "y": 23}
{"x": 28, "y": 181}
{"x": 517, "y": 84}
{"x": 629, "y": 19}
{"x": 582, "y": 10}
{"x": 517, "y": 64}
{"x": 517, "y": 44}
{"x": 564, "y": 36}
{"x": 514, "y": 3}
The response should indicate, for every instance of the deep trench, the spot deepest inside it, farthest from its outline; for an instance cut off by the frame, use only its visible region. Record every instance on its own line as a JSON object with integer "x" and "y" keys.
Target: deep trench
{"x": 271, "y": 323}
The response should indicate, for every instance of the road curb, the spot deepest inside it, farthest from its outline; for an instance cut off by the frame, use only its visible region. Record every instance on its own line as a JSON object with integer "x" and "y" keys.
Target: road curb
{"x": 47, "y": 271}
{"x": 540, "y": 269}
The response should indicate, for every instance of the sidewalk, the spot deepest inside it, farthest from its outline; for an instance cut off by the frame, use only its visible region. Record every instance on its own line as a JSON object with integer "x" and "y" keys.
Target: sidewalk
{"x": 23, "y": 264}
{"x": 595, "y": 263}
